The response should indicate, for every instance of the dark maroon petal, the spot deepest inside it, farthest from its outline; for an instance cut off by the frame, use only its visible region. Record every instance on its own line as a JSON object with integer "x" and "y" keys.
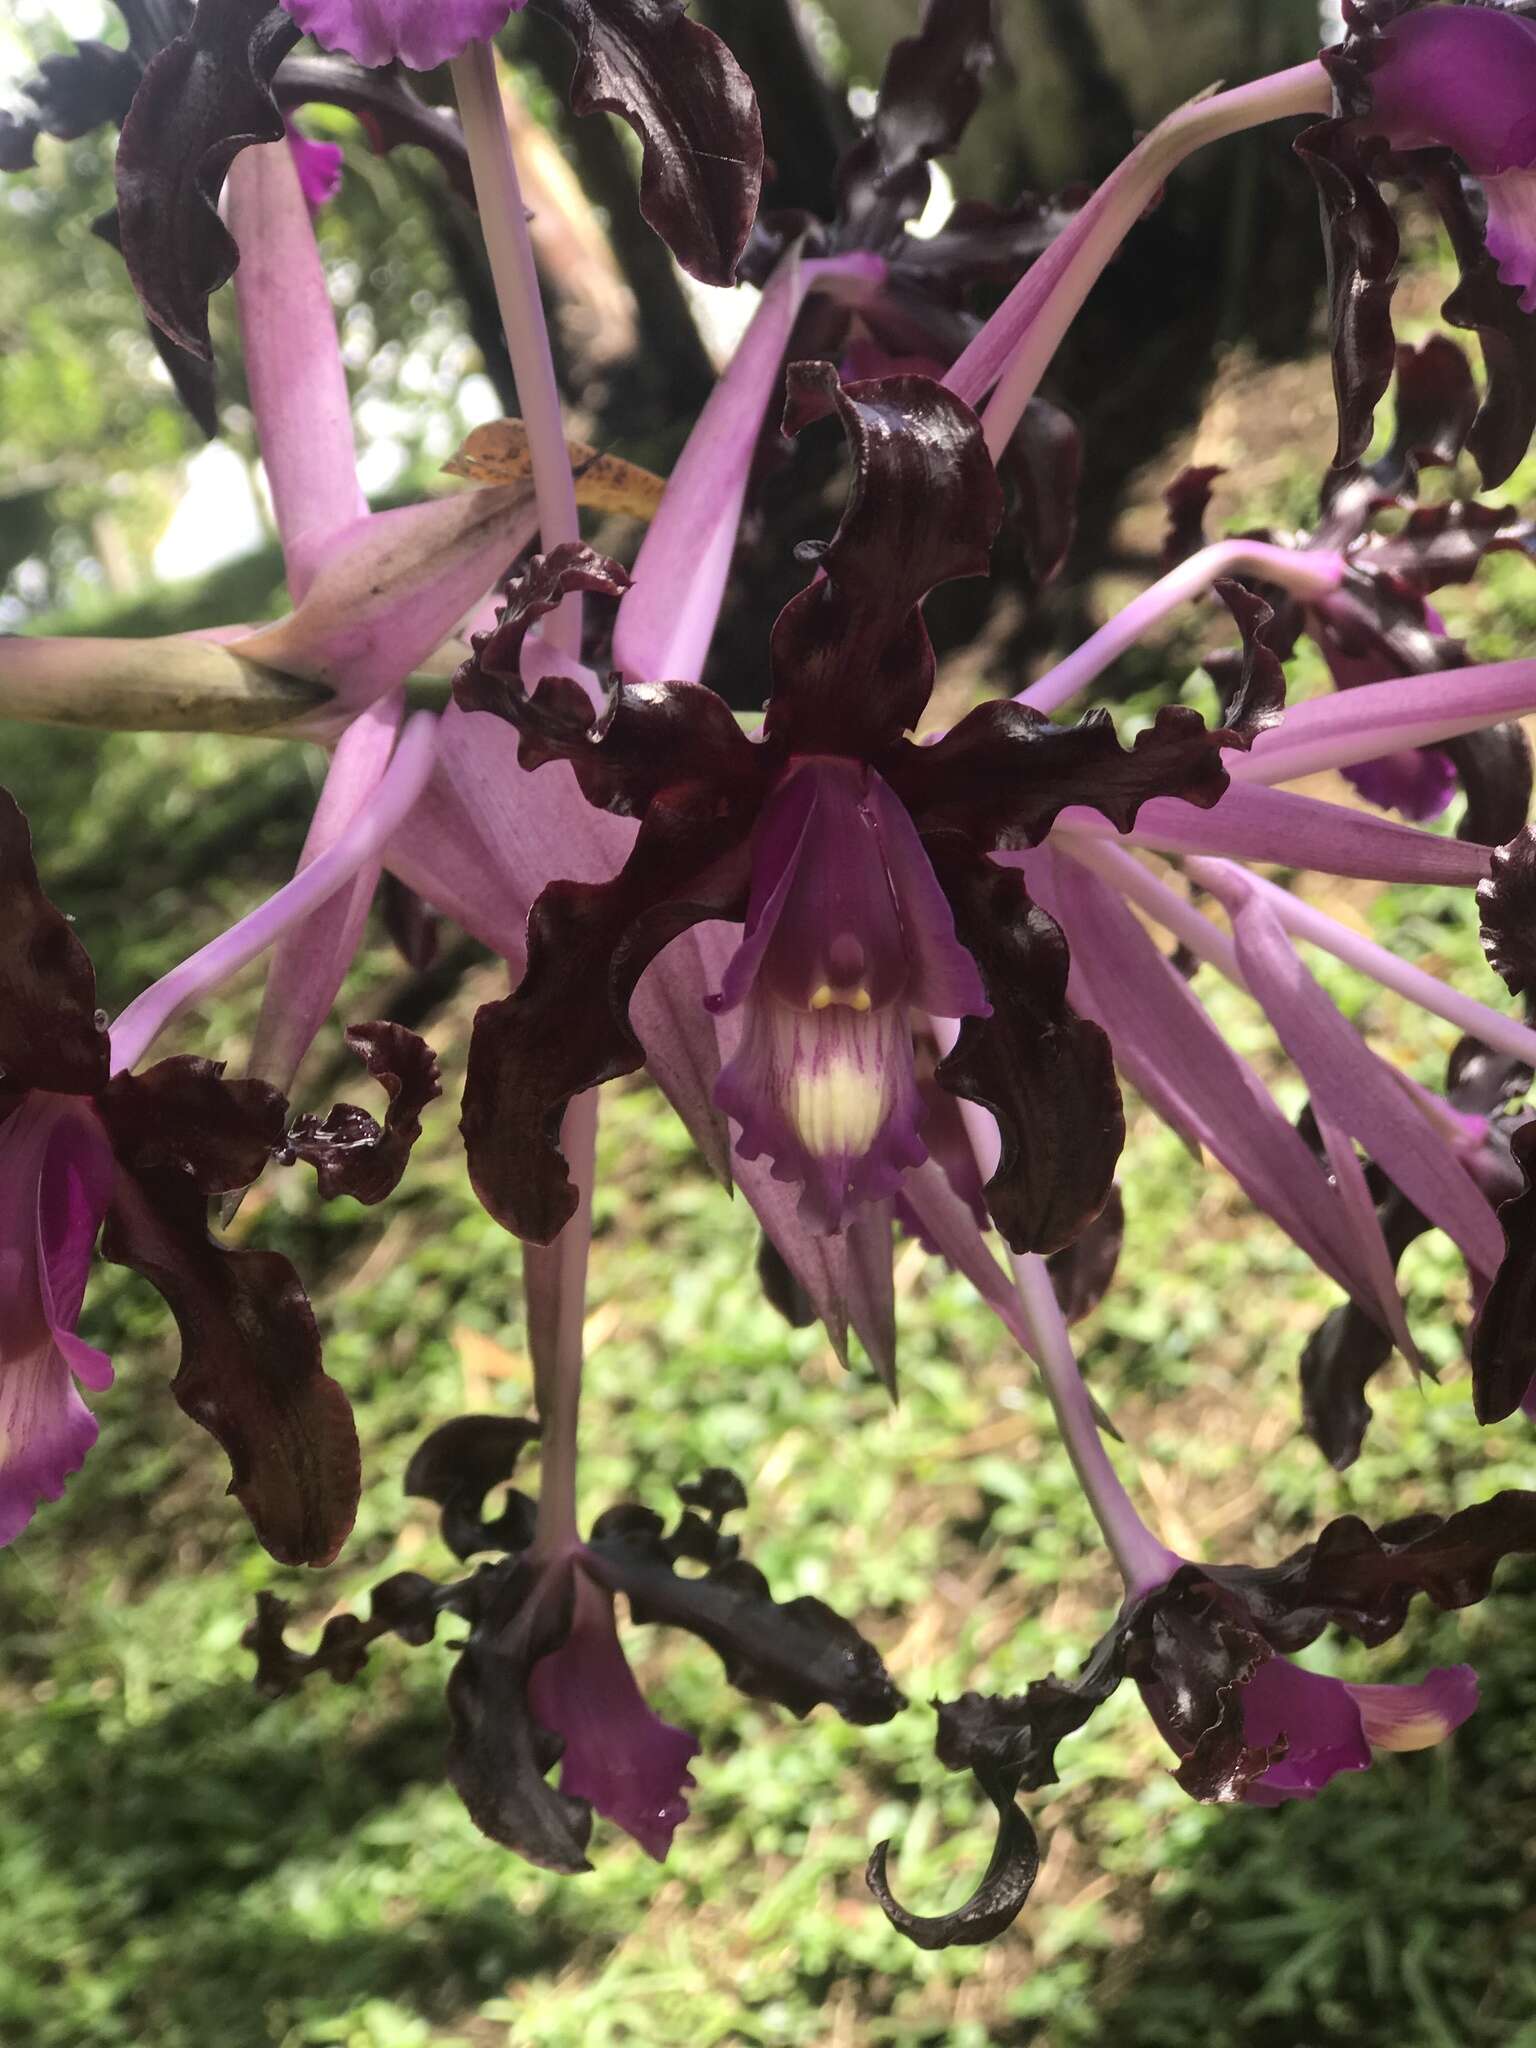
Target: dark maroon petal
{"x": 1253, "y": 700}
{"x": 1081, "y": 1271}
{"x": 1363, "y": 1580}
{"x": 183, "y": 1115}
{"x": 407, "y": 1605}
{"x": 351, "y": 1155}
{"x": 499, "y": 1754}
{"x": 1506, "y": 905}
{"x": 1187, "y": 500}
{"x": 931, "y": 88}
{"x": 410, "y": 921}
{"x": 693, "y": 108}
{"x": 1446, "y": 543}
{"x": 389, "y": 109}
{"x": 983, "y": 244}
{"x": 1485, "y": 306}
{"x": 797, "y": 1652}
{"x": 1042, "y": 467}
{"x": 852, "y": 663}
{"x": 1495, "y": 772}
{"x": 1436, "y": 405}
{"x": 1045, "y": 1073}
{"x": 250, "y": 1371}
{"x": 652, "y": 736}
{"x": 194, "y": 377}
{"x": 1504, "y": 1335}
{"x": 1009, "y": 1745}
{"x": 50, "y": 1034}
{"x": 1193, "y": 1656}
{"x": 1361, "y": 241}
{"x": 555, "y": 1035}
{"x": 202, "y": 100}
{"x": 71, "y": 94}
{"x": 1005, "y": 773}
{"x": 459, "y": 1464}
{"x": 1348, "y": 1349}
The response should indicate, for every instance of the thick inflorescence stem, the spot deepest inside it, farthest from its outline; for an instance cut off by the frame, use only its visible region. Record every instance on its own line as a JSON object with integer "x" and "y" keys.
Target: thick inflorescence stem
{"x": 1373, "y": 719}
{"x": 504, "y": 224}
{"x": 213, "y": 964}
{"x": 1306, "y": 576}
{"x": 1012, "y": 350}
{"x": 1143, "y": 1561}
{"x": 557, "y": 1296}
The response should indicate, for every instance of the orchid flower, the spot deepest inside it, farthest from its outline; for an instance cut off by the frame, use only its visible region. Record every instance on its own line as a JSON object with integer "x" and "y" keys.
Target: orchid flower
{"x": 1209, "y": 1647}
{"x": 543, "y": 1676}
{"x": 1412, "y": 88}
{"x": 1377, "y": 621}
{"x": 85, "y": 1141}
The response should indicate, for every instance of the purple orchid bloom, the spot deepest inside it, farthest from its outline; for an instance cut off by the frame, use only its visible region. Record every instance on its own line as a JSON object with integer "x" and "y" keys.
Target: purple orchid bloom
{"x": 319, "y": 165}
{"x": 86, "y": 1142}
{"x": 1209, "y": 1647}
{"x": 543, "y": 1676}
{"x": 857, "y": 860}
{"x": 1421, "y": 93}
{"x": 420, "y": 33}
{"x": 1464, "y": 78}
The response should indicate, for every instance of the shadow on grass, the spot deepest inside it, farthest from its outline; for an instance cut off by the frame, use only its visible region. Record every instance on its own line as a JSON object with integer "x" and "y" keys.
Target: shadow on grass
{"x": 203, "y": 1878}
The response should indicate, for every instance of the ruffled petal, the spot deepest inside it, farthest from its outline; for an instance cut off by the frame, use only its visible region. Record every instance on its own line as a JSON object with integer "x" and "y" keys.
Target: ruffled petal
{"x": 625, "y": 1761}
{"x": 420, "y": 33}
{"x": 1462, "y": 77}
{"x": 56, "y": 1176}
{"x": 1511, "y": 231}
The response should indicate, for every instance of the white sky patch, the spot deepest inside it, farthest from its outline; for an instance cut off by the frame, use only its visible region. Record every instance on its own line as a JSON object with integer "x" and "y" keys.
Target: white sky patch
{"x": 218, "y": 518}
{"x": 722, "y": 315}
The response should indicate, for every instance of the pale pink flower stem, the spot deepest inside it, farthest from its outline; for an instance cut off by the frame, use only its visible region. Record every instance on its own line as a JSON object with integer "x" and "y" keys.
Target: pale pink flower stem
{"x": 1304, "y": 921}
{"x": 1143, "y": 1561}
{"x": 557, "y": 1295}
{"x": 504, "y": 224}
{"x": 213, "y": 964}
{"x": 1305, "y": 575}
{"x": 1012, "y": 351}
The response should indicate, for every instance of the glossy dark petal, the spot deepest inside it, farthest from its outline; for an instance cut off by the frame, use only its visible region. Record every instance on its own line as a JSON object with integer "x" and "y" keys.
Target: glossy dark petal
{"x": 202, "y": 100}
{"x": 182, "y": 1115}
{"x": 781, "y": 1290}
{"x": 1436, "y": 405}
{"x": 458, "y": 1465}
{"x": 1044, "y": 1072}
{"x": 389, "y": 109}
{"x": 1485, "y": 306}
{"x": 50, "y": 1036}
{"x": 1042, "y": 467}
{"x": 499, "y": 1755}
{"x": 931, "y": 88}
{"x": 1446, "y": 543}
{"x": 983, "y": 244}
{"x": 1009, "y": 1744}
{"x": 1506, "y": 904}
{"x": 411, "y": 922}
{"x": 852, "y": 663}
{"x": 1187, "y": 500}
{"x": 1005, "y": 773}
{"x": 194, "y": 376}
{"x": 1494, "y": 769}
{"x": 1361, "y": 241}
{"x": 651, "y": 737}
{"x": 693, "y": 108}
{"x": 1504, "y": 1335}
{"x": 1082, "y": 1271}
{"x": 797, "y": 1652}
{"x": 1253, "y": 700}
{"x": 999, "y": 1897}
{"x": 407, "y": 1605}
{"x": 71, "y": 94}
{"x": 555, "y": 1036}
{"x": 250, "y": 1371}
{"x": 1192, "y": 1654}
{"x": 353, "y": 1155}
{"x": 1363, "y": 1580}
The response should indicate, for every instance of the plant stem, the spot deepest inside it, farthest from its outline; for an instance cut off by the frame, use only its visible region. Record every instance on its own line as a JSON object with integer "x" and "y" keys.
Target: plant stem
{"x": 1305, "y": 575}
{"x": 503, "y": 222}
{"x": 214, "y": 963}
{"x": 1013, "y": 349}
{"x": 556, "y": 1279}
